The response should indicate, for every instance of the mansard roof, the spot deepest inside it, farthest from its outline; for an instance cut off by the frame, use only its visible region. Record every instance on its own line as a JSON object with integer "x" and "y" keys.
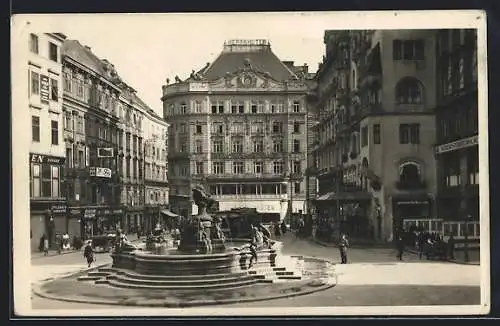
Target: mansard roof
{"x": 83, "y": 55}
{"x": 236, "y": 55}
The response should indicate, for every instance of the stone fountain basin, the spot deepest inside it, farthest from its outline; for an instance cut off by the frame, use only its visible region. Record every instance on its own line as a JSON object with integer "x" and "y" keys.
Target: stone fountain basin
{"x": 174, "y": 262}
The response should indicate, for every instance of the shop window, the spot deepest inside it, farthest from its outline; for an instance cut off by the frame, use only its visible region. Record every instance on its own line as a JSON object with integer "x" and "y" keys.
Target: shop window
{"x": 36, "y": 180}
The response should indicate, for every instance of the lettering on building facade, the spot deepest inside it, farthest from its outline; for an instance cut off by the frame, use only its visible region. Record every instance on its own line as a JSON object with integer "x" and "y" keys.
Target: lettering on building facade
{"x": 39, "y": 158}
{"x": 459, "y": 144}
{"x": 44, "y": 89}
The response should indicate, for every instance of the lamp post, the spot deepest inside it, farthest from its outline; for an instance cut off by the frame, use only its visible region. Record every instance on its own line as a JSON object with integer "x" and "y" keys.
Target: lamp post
{"x": 466, "y": 238}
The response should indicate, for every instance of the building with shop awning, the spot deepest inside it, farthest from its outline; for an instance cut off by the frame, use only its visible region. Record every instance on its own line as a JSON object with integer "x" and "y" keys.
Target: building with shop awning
{"x": 344, "y": 196}
{"x": 169, "y": 213}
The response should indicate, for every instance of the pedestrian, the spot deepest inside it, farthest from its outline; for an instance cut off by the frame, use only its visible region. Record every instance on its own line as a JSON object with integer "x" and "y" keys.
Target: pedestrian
{"x": 451, "y": 247}
{"x": 253, "y": 253}
{"x": 343, "y": 245}
{"x": 283, "y": 227}
{"x": 401, "y": 247}
{"x": 45, "y": 245}
{"x": 89, "y": 253}
{"x": 277, "y": 231}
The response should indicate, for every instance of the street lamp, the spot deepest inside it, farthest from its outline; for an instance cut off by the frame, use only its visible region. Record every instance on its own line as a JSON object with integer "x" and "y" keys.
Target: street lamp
{"x": 466, "y": 238}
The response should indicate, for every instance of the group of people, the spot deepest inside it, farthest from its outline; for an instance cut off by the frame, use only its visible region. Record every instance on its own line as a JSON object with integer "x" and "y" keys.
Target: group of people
{"x": 279, "y": 229}
{"x": 62, "y": 242}
{"x": 429, "y": 244}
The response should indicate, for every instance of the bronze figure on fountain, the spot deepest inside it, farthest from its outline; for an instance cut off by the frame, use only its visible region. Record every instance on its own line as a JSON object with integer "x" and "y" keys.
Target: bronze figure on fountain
{"x": 201, "y": 234}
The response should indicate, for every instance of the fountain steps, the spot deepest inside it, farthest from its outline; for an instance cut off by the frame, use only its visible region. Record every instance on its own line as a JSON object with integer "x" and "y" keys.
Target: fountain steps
{"x": 202, "y": 283}
{"x": 174, "y": 277}
{"x": 225, "y": 285}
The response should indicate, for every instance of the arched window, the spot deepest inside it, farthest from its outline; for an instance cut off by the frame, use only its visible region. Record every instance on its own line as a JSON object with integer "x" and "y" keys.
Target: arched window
{"x": 409, "y": 173}
{"x": 409, "y": 91}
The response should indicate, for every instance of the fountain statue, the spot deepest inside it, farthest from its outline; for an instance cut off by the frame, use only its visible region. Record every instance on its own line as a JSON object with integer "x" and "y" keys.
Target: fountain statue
{"x": 202, "y": 234}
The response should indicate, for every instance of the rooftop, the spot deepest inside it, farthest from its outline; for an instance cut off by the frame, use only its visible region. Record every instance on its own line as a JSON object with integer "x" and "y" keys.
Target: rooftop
{"x": 236, "y": 53}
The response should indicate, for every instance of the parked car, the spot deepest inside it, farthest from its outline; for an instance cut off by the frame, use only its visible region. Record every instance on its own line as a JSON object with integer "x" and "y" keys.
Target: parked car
{"x": 102, "y": 243}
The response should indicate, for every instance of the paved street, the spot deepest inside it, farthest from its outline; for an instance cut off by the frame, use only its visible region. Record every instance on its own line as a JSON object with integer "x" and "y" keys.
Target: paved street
{"x": 372, "y": 277}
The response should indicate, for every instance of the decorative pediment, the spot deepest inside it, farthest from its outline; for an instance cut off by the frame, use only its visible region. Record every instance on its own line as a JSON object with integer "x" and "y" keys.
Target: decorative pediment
{"x": 247, "y": 79}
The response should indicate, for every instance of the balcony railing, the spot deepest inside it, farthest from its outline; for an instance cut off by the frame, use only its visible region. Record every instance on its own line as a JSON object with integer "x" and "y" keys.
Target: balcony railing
{"x": 411, "y": 185}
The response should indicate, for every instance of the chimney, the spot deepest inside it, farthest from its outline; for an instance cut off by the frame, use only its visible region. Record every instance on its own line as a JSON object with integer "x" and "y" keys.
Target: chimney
{"x": 306, "y": 68}
{"x": 88, "y": 47}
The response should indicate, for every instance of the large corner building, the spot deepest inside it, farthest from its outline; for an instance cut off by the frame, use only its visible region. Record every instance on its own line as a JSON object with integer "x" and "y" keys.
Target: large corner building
{"x": 239, "y": 126}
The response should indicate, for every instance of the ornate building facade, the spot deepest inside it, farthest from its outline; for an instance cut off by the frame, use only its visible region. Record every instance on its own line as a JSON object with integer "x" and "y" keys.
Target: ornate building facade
{"x": 46, "y": 156}
{"x": 156, "y": 189}
{"x": 374, "y": 155}
{"x": 239, "y": 126}
{"x": 92, "y": 180}
{"x": 457, "y": 128}
{"x": 131, "y": 157}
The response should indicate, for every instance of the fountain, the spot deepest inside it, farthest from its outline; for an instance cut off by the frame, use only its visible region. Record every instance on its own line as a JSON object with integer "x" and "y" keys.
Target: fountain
{"x": 203, "y": 258}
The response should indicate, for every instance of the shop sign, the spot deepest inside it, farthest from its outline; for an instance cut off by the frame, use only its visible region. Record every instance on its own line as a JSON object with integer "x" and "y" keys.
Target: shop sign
{"x": 453, "y": 146}
{"x": 413, "y": 202}
{"x": 74, "y": 211}
{"x": 39, "y": 158}
{"x": 59, "y": 209}
{"x": 44, "y": 89}
{"x": 90, "y": 212}
{"x": 100, "y": 172}
{"x": 117, "y": 211}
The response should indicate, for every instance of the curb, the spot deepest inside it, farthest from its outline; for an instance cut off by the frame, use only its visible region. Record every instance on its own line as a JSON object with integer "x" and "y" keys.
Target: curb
{"x": 36, "y": 290}
{"x": 69, "y": 252}
{"x": 70, "y": 274}
{"x": 458, "y": 262}
{"x": 321, "y": 243}
{"x": 55, "y": 254}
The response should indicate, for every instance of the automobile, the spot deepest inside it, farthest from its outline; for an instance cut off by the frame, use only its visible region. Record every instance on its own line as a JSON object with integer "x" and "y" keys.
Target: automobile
{"x": 102, "y": 243}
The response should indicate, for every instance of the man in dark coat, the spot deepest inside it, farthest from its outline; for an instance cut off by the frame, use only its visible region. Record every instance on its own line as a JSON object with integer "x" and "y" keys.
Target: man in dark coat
{"x": 451, "y": 247}
{"x": 401, "y": 247}
{"x": 283, "y": 227}
{"x": 343, "y": 244}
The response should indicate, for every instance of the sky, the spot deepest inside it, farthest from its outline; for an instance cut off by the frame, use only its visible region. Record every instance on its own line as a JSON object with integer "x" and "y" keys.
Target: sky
{"x": 146, "y": 49}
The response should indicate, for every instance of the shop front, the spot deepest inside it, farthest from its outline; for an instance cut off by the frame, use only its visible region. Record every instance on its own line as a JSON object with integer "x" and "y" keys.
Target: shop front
{"x": 133, "y": 219}
{"x": 49, "y": 219}
{"x": 100, "y": 220}
{"x": 410, "y": 207}
{"x": 347, "y": 212}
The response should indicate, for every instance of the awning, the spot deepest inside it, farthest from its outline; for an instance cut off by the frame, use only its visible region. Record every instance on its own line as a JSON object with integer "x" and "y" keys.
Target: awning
{"x": 168, "y": 213}
{"x": 355, "y": 195}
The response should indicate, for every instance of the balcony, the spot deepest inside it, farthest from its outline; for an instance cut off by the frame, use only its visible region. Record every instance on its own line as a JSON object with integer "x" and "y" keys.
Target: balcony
{"x": 411, "y": 185}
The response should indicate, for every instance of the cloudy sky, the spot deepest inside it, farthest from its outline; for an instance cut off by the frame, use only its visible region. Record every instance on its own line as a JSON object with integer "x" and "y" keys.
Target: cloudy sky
{"x": 148, "y": 48}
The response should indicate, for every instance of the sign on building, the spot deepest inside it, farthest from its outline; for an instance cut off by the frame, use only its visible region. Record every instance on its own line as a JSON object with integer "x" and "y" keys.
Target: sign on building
{"x": 44, "y": 89}
{"x": 105, "y": 152}
{"x": 100, "y": 172}
{"x": 453, "y": 146}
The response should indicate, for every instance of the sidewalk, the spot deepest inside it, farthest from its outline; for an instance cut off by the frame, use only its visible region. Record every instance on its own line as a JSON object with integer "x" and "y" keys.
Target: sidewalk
{"x": 356, "y": 243}
{"x": 37, "y": 254}
{"x": 474, "y": 257}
